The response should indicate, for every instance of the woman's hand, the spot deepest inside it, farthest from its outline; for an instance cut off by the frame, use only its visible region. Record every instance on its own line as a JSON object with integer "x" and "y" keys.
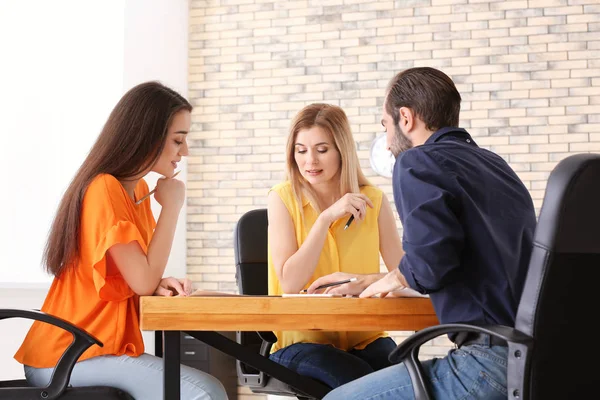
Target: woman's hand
{"x": 170, "y": 193}
{"x": 174, "y": 287}
{"x": 351, "y": 203}
{"x": 352, "y": 288}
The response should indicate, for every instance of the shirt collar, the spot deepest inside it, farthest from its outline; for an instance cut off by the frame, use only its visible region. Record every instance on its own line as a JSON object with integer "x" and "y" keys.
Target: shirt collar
{"x": 460, "y": 133}
{"x": 305, "y": 201}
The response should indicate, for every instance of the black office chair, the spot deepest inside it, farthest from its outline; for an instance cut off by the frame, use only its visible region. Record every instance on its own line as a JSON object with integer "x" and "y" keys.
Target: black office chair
{"x": 548, "y": 351}
{"x": 250, "y": 248}
{"x": 58, "y": 387}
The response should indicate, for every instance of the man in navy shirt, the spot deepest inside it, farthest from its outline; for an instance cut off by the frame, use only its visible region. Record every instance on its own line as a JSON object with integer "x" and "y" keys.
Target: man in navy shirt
{"x": 468, "y": 224}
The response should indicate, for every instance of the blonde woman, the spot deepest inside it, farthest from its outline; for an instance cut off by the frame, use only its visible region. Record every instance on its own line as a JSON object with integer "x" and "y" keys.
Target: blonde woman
{"x": 307, "y": 241}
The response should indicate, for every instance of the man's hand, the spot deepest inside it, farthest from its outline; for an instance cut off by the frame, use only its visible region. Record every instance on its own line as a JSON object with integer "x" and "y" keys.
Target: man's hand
{"x": 173, "y": 287}
{"x": 390, "y": 282}
{"x": 351, "y": 288}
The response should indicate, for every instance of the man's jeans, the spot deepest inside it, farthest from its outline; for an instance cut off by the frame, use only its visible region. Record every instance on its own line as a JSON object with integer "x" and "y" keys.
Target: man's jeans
{"x": 475, "y": 371}
{"x": 333, "y": 366}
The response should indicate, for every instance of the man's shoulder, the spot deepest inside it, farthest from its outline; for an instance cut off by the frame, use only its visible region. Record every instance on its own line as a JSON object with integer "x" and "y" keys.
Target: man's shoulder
{"x": 424, "y": 155}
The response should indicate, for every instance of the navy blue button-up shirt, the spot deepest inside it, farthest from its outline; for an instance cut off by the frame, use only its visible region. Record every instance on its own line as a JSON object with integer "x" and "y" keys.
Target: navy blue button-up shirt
{"x": 468, "y": 225}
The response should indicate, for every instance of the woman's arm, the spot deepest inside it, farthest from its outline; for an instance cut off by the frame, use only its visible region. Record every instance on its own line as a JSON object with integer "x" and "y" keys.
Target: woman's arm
{"x": 143, "y": 272}
{"x": 293, "y": 266}
{"x": 390, "y": 245}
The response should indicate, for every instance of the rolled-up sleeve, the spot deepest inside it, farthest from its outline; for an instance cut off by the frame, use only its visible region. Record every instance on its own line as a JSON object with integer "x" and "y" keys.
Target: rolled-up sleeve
{"x": 433, "y": 237}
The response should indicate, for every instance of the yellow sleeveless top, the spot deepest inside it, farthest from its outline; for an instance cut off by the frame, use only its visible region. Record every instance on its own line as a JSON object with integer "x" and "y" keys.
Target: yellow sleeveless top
{"x": 354, "y": 250}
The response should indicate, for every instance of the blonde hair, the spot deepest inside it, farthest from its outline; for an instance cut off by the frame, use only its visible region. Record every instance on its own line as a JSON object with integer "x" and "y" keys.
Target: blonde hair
{"x": 333, "y": 120}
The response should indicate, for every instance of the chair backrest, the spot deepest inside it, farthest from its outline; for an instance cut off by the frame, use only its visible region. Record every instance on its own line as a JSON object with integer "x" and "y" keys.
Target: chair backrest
{"x": 557, "y": 306}
{"x": 250, "y": 250}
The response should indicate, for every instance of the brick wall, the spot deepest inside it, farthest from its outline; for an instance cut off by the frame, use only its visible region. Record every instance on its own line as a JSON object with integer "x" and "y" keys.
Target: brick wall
{"x": 528, "y": 72}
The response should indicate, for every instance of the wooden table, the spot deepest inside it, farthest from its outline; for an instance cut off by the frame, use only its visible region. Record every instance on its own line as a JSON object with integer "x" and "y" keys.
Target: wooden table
{"x": 273, "y": 313}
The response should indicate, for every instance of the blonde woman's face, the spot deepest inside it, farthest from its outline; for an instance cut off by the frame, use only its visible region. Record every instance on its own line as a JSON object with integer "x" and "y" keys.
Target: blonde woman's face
{"x": 317, "y": 157}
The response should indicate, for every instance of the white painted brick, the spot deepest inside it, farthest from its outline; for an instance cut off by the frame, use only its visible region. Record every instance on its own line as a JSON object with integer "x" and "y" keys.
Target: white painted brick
{"x": 488, "y": 16}
{"x": 528, "y": 121}
{"x": 531, "y": 84}
{"x": 570, "y": 83}
{"x": 510, "y": 94}
{"x": 570, "y": 138}
{"x": 508, "y": 5}
{"x": 490, "y": 33}
{"x": 550, "y": 74}
{"x": 550, "y": 129}
{"x": 541, "y": 93}
{"x": 545, "y": 111}
{"x": 528, "y": 66}
{"x": 523, "y": 13}
{"x": 507, "y": 23}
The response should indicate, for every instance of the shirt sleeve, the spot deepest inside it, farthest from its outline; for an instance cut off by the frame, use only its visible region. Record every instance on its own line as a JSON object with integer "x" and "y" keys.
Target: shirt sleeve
{"x": 108, "y": 219}
{"x": 433, "y": 237}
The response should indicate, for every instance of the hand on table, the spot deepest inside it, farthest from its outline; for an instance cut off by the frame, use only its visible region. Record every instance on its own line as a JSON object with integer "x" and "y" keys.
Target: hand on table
{"x": 351, "y": 288}
{"x": 389, "y": 283}
{"x": 174, "y": 287}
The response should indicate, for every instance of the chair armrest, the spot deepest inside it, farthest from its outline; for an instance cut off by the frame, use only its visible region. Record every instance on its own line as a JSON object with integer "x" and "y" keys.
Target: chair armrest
{"x": 268, "y": 338}
{"x": 81, "y": 342}
{"x": 408, "y": 351}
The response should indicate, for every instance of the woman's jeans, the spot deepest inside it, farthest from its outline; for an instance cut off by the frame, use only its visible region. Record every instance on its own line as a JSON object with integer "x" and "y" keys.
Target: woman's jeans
{"x": 141, "y": 377}
{"x": 471, "y": 372}
{"x": 333, "y": 366}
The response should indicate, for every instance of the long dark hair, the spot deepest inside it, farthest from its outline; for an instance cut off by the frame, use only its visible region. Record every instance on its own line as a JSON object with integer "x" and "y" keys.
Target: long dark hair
{"x": 130, "y": 143}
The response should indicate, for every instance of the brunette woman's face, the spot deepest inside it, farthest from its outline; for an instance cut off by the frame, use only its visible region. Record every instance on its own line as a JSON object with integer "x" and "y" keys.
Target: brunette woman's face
{"x": 176, "y": 144}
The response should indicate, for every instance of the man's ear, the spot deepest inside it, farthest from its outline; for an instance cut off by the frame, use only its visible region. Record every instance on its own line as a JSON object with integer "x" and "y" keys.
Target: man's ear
{"x": 407, "y": 119}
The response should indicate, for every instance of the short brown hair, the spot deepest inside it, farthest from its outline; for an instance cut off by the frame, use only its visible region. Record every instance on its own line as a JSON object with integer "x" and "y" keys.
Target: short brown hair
{"x": 429, "y": 93}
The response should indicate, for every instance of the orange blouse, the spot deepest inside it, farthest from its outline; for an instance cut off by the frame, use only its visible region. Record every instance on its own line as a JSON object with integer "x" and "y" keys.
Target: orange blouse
{"x": 93, "y": 294}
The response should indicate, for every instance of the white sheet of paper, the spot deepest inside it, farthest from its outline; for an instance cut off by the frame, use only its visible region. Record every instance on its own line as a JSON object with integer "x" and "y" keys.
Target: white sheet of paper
{"x": 406, "y": 292}
{"x": 311, "y": 295}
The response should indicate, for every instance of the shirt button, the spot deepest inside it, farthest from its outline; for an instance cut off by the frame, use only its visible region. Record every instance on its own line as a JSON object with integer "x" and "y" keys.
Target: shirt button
{"x": 468, "y": 140}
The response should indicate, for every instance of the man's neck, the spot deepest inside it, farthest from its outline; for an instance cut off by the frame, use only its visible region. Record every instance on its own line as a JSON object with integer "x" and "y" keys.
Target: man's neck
{"x": 420, "y": 133}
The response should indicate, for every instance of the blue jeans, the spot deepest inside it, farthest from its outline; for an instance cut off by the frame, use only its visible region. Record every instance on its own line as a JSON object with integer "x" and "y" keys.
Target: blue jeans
{"x": 470, "y": 372}
{"x": 141, "y": 377}
{"x": 333, "y": 366}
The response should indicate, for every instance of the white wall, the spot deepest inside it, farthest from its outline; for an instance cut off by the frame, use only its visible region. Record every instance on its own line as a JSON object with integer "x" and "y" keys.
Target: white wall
{"x": 61, "y": 74}
{"x": 63, "y": 69}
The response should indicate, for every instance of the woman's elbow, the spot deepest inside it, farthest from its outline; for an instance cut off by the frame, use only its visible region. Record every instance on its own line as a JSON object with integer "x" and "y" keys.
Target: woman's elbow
{"x": 288, "y": 285}
{"x": 143, "y": 289}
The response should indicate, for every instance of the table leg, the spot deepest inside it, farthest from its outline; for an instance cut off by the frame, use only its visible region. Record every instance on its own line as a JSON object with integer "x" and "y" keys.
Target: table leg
{"x": 171, "y": 363}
